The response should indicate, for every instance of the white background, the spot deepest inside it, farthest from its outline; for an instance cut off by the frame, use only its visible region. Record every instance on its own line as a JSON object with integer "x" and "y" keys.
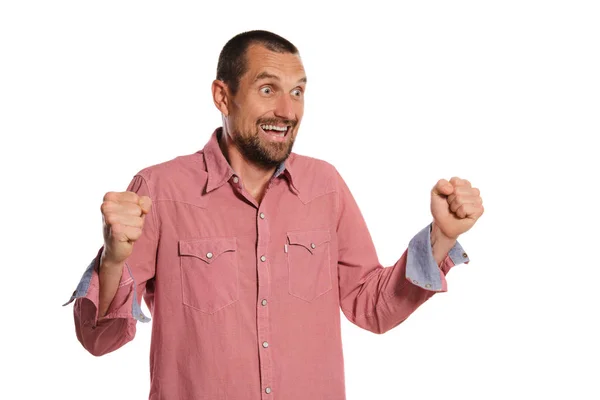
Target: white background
{"x": 505, "y": 94}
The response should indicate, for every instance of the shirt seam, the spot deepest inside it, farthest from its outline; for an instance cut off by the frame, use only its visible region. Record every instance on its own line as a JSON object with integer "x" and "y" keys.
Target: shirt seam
{"x": 182, "y": 202}
{"x": 153, "y": 211}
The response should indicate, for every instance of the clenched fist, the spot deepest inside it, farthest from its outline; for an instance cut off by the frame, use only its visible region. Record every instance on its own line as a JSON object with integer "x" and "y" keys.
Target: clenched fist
{"x": 455, "y": 206}
{"x": 123, "y": 214}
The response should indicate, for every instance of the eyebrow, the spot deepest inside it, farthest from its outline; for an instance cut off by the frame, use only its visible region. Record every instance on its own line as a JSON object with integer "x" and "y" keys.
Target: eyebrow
{"x": 266, "y": 75}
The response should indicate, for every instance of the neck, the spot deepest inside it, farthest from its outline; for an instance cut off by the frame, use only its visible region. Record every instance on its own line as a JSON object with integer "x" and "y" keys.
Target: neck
{"x": 253, "y": 177}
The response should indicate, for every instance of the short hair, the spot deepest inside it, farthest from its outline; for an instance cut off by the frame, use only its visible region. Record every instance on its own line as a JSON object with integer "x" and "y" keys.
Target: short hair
{"x": 233, "y": 62}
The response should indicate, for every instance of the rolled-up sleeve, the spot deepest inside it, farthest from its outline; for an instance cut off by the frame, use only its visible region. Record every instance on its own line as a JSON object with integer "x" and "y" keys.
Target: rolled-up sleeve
{"x": 378, "y": 298}
{"x": 421, "y": 268}
{"x": 108, "y": 333}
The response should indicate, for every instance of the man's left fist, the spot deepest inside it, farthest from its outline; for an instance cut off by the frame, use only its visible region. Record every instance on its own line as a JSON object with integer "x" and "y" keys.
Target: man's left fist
{"x": 455, "y": 206}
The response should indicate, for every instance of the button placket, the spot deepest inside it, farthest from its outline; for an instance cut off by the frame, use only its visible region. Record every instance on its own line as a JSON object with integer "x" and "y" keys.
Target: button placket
{"x": 264, "y": 290}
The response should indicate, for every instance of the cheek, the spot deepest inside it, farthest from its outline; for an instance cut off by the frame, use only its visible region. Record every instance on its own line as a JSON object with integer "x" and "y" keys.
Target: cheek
{"x": 299, "y": 107}
{"x": 255, "y": 109}
{"x": 246, "y": 119}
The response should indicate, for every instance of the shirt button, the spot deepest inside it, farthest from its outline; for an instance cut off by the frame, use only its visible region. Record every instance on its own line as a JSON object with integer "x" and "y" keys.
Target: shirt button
{"x": 268, "y": 390}
{"x": 415, "y": 282}
{"x": 236, "y": 179}
{"x": 465, "y": 255}
{"x": 312, "y": 245}
{"x": 264, "y": 302}
{"x": 263, "y": 258}
{"x": 428, "y": 285}
{"x": 262, "y": 215}
{"x": 265, "y": 344}
{"x": 209, "y": 255}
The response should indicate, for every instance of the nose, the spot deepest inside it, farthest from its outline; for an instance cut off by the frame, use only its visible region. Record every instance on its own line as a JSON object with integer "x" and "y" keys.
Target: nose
{"x": 285, "y": 107}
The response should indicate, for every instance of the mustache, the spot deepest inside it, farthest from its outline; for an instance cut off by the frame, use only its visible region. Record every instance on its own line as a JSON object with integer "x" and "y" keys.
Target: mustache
{"x": 278, "y": 121}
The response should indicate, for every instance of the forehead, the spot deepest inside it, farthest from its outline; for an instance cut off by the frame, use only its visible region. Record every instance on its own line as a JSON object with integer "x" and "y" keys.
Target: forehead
{"x": 286, "y": 66}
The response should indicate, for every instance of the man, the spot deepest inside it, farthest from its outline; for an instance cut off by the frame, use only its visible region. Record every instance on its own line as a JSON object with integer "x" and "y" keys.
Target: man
{"x": 245, "y": 252}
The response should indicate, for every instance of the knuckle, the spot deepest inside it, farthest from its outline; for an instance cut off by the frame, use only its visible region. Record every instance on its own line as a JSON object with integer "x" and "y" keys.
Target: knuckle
{"x": 125, "y": 197}
{"x": 109, "y": 219}
{"x": 116, "y": 229}
{"x": 133, "y": 197}
{"x": 109, "y": 196}
{"x": 130, "y": 209}
{"x": 135, "y": 209}
{"x": 134, "y": 233}
{"x": 108, "y": 207}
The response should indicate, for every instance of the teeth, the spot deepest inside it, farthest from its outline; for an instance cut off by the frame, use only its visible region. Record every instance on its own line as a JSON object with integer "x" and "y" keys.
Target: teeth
{"x": 274, "y": 128}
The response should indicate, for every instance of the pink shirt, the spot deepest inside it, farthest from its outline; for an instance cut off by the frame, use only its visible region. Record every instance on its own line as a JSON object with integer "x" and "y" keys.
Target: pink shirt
{"x": 245, "y": 297}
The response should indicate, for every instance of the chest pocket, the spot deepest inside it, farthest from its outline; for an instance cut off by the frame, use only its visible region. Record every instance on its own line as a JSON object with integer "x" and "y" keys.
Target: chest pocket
{"x": 209, "y": 273}
{"x": 308, "y": 260}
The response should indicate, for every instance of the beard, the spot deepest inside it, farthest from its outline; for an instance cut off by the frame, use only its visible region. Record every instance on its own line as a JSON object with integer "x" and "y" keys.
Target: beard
{"x": 258, "y": 150}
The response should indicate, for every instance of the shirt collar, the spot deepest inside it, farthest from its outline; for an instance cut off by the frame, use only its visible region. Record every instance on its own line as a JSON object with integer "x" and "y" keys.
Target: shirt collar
{"x": 219, "y": 171}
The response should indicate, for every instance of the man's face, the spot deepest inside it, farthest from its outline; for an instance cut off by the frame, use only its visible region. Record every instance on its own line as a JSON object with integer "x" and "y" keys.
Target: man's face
{"x": 266, "y": 111}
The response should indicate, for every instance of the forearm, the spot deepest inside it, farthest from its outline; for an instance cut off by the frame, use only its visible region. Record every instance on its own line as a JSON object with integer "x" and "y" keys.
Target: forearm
{"x": 100, "y": 334}
{"x": 385, "y": 299}
{"x": 109, "y": 276}
{"x": 440, "y": 244}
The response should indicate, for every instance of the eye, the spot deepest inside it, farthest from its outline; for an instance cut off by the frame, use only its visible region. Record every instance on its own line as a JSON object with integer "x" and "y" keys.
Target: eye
{"x": 297, "y": 92}
{"x": 266, "y": 90}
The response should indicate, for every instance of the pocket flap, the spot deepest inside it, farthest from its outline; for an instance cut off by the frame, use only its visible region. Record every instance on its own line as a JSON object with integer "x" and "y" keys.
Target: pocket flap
{"x": 311, "y": 240}
{"x": 207, "y": 249}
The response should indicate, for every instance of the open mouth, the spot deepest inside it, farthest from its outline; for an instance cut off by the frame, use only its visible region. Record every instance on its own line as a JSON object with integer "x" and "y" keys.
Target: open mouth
{"x": 276, "y": 132}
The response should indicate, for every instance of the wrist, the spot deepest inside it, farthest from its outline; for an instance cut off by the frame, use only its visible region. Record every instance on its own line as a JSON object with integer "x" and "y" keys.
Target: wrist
{"x": 108, "y": 263}
{"x": 440, "y": 243}
{"x": 437, "y": 236}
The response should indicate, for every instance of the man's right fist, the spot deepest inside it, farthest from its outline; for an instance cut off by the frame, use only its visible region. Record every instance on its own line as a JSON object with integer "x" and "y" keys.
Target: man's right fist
{"x": 123, "y": 214}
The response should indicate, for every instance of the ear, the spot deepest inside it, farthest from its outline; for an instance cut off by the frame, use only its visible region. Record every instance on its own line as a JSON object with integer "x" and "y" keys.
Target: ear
{"x": 220, "y": 94}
